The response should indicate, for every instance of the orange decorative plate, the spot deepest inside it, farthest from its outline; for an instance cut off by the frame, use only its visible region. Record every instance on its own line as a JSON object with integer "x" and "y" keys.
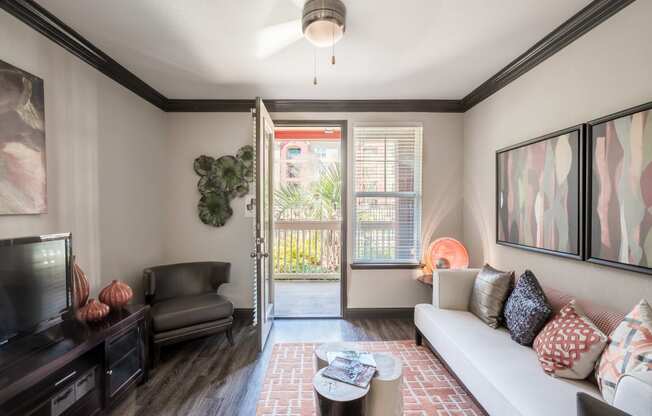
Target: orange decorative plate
{"x": 449, "y": 249}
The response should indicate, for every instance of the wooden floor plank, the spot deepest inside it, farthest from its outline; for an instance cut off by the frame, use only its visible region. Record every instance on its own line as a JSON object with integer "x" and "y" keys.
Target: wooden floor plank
{"x": 208, "y": 377}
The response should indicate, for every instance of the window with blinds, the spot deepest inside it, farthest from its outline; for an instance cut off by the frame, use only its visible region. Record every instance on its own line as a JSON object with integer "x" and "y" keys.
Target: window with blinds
{"x": 387, "y": 195}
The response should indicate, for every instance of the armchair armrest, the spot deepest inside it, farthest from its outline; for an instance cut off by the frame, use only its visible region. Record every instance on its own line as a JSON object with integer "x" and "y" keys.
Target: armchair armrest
{"x": 634, "y": 393}
{"x": 220, "y": 273}
{"x": 451, "y": 289}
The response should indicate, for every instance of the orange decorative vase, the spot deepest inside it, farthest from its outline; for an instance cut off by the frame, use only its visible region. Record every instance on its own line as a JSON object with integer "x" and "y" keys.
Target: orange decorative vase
{"x": 81, "y": 287}
{"x": 94, "y": 311}
{"x": 116, "y": 295}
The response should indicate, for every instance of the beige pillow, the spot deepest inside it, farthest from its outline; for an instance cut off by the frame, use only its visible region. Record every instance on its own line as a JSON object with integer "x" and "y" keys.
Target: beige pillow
{"x": 629, "y": 350}
{"x": 570, "y": 344}
{"x": 490, "y": 291}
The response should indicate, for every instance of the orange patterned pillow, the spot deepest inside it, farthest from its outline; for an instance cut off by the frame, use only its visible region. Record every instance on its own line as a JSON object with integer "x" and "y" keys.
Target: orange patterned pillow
{"x": 629, "y": 350}
{"x": 569, "y": 345}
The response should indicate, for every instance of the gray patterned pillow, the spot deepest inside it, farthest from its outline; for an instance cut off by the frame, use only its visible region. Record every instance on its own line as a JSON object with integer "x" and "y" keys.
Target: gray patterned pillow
{"x": 527, "y": 310}
{"x": 490, "y": 289}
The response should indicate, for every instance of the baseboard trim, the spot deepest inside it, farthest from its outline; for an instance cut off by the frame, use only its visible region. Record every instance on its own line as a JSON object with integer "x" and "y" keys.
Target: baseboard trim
{"x": 432, "y": 349}
{"x": 379, "y": 313}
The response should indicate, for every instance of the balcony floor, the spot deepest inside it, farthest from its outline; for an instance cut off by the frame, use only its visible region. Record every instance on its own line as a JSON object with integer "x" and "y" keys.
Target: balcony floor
{"x": 307, "y": 299}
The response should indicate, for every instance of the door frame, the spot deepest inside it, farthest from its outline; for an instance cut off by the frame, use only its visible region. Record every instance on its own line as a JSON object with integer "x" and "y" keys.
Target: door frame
{"x": 265, "y": 316}
{"x": 344, "y": 164}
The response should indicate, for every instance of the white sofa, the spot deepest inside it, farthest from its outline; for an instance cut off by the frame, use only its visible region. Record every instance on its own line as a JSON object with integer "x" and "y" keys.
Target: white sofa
{"x": 503, "y": 376}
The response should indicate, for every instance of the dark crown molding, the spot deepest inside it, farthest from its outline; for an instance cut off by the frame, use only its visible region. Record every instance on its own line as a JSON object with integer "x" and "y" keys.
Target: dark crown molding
{"x": 35, "y": 16}
{"x": 317, "y": 106}
{"x": 39, "y": 19}
{"x": 582, "y": 22}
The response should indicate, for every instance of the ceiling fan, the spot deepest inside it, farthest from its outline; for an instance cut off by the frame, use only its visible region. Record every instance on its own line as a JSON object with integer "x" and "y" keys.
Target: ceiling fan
{"x": 322, "y": 23}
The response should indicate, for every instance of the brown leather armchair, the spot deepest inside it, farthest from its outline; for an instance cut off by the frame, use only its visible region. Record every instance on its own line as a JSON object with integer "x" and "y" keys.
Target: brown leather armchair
{"x": 185, "y": 304}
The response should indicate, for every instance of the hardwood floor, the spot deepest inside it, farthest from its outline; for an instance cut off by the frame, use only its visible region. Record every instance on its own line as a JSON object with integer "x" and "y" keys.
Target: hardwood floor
{"x": 210, "y": 377}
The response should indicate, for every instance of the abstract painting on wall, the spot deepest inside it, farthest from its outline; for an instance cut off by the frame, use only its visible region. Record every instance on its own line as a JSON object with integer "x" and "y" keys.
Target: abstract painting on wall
{"x": 538, "y": 194}
{"x": 22, "y": 142}
{"x": 620, "y": 190}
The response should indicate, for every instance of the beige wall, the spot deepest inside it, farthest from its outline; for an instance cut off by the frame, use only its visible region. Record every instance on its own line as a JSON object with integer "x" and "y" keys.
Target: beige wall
{"x": 606, "y": 70}
{"x": 120, "y": 171}
{"x": 186, "y": 237}
{"x": 191, "y": 135}
{"x": 104, "y": 154}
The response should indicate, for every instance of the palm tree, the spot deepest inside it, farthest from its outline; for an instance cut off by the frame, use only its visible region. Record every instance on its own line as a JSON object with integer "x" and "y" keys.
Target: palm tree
{"x": 321, "y": 202}
{"x": 290, "y": 199}
{"x": 328, "y": 192}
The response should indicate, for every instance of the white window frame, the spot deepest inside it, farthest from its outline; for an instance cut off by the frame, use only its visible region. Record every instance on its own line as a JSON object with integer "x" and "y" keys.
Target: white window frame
{"x": 417, "y": 195}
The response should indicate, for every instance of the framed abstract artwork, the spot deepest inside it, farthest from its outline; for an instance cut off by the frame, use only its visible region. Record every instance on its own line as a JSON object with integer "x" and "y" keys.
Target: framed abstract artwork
{"x": 619, "y": 185}
{"x": 539, "y": 185}
{"x": 22, "y": 142}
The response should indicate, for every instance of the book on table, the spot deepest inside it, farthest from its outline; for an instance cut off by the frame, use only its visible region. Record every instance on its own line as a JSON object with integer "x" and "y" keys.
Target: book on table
{"x": 350, "y": 371}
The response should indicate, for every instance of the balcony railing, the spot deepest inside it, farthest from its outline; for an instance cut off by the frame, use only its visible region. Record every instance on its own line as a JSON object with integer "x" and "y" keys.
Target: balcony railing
{"x": 307, "y": 250}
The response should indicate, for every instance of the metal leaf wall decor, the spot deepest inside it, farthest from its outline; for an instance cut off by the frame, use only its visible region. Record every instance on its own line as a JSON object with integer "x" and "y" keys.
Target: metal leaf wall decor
{"x": 220, "y": 181}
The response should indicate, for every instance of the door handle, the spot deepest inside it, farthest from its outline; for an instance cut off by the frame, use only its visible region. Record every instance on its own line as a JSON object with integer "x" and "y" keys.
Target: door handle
{"x": 257, "y": 255}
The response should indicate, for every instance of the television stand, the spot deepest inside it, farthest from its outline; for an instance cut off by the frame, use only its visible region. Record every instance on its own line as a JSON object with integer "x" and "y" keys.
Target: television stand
{"x": 90, "y": 369}
{"x": 16, "y": 350}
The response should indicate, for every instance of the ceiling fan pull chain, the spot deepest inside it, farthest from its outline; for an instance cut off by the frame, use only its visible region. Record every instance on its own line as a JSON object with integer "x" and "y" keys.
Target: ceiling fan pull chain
{"x": 333, "y": 40}
{"x": 314, "y": 80}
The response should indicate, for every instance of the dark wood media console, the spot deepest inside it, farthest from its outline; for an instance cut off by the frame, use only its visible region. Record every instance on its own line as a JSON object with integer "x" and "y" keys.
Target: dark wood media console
{"x": 88, "y": 371}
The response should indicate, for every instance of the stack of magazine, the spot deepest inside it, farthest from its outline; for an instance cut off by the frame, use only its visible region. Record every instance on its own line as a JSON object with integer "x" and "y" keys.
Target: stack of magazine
{"x": 351, "y": 367}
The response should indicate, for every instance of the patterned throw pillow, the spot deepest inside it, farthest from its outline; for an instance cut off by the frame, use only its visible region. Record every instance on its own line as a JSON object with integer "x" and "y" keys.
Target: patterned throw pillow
{"x": 604, "y": 318}
{"x": 527, "y": 310}
{"x": 490, "y": 290}
{"x": 629, "y": 350}
{"x": 570, "y": 344}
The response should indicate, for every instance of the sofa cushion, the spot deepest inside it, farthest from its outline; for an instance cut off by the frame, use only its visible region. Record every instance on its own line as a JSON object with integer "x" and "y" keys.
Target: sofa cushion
{"x": 570, "y": 344}
{"x": 629, "y": 350}
{"x": 526, "y": 309}
{"x": 490, "y": 290}
{"x": 190, "y": 310}
{"x": 503, "y": 376}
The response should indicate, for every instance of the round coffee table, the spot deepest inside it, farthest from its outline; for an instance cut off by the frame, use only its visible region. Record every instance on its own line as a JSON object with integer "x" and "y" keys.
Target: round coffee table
{"x": 335, "y": 398}
{"x": 385, "y": 397}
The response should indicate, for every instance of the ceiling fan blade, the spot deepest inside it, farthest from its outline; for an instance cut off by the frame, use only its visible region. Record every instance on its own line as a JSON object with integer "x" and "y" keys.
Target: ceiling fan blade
{"x": 273, "y": 39}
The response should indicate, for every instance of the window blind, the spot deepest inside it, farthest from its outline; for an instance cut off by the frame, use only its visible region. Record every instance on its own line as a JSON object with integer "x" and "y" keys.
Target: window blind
{"x": 387, "y": 194}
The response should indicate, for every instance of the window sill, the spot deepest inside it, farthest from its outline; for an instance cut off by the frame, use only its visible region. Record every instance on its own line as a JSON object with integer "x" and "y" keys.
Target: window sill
{"x": 384, "y": 266}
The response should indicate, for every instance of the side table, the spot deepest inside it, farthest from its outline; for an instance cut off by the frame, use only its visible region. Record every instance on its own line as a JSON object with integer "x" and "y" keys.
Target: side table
{"x": 335, "y": 398}
{"x": 385, "y": 392}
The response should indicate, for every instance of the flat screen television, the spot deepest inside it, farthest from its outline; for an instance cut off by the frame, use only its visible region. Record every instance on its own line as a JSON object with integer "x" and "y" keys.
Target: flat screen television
{"x": 35, "y": 284}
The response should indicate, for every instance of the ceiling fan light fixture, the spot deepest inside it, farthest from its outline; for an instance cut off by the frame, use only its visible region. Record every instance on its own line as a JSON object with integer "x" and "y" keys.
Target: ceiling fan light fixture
{"x": 324, "y": 22}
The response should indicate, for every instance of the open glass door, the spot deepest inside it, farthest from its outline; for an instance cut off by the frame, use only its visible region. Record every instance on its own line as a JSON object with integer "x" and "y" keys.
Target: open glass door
{"x": 264, "y": 286}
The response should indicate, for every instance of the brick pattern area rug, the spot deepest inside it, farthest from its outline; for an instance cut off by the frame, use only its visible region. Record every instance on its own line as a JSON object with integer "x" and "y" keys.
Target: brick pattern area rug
{"x": 428, "y": 388}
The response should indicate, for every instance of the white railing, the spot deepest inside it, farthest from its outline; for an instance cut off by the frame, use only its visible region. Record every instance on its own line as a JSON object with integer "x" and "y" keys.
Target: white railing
{"x": 306, "y": 250}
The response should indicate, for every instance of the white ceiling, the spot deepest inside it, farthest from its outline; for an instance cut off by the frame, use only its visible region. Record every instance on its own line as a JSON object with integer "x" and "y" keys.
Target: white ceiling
{"x": 419, "y": 49}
